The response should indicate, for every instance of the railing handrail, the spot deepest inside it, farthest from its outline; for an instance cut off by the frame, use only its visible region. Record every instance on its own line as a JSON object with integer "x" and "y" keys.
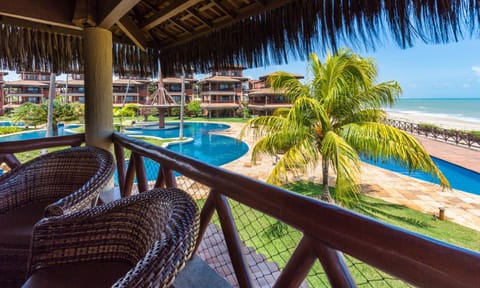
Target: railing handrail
{"x": 412, "y": 257}
{"x": 17, "y": 146}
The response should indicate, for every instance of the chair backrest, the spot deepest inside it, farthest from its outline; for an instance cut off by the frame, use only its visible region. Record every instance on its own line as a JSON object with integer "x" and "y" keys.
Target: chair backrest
{"x": 72, "y": 178}
{"x": 155, "y": 231}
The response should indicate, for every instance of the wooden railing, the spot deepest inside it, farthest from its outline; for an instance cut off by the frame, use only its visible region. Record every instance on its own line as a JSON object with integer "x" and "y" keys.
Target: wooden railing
{"x": 328, "y": 230}
{"x": 448, "y": 135}
{"x": 7, "y": 149}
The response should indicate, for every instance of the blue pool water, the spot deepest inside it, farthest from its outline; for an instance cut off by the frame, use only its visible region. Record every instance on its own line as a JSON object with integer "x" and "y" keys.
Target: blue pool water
{"x": 460, "y": 178}
{"x": 210, "y": 148}
{"x": 206, "y": 147}
{"x": 8, "y": 123}
{"x": 36, "y": 134}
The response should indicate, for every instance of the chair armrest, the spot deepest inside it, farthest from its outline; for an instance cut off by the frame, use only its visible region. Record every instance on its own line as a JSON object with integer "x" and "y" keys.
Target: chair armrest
{"x": 104, "y": 232}
{"x": 72, "y": 177}
{"x": 167, "y": 257}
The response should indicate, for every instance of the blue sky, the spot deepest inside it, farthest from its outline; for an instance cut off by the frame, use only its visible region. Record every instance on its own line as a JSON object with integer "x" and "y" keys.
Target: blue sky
{"x": 424, "y": 71}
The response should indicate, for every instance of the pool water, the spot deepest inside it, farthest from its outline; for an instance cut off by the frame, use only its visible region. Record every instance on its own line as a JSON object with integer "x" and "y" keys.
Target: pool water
{"x": 206, "y": 147}
{"x": 460, "y": 178}
{"x": 36, "y": 134}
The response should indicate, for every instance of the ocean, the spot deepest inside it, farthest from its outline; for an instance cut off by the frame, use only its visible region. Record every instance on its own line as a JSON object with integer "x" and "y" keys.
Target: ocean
{"x": 457, "y": 108}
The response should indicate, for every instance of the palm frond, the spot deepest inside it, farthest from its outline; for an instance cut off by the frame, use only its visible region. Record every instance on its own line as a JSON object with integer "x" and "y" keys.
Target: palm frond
{"x": 385, "y": 143}
{"x": 346, "y": 163}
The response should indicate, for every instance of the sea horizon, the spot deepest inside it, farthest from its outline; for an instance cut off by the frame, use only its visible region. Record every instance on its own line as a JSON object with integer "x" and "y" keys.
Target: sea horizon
{"x": 463, "y": 109}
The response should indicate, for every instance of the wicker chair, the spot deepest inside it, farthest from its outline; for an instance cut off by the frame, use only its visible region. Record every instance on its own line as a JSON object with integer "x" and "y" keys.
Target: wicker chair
{"x": 137, "y": 241}
{"x": 54, "y": 184}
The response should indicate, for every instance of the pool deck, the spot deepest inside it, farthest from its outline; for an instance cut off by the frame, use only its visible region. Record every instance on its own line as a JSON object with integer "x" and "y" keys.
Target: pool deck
{"x": 460, "y": 207}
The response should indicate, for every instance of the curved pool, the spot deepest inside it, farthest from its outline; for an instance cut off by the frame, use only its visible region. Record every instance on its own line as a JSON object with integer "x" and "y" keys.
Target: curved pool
{"x": 459, "y": 177}
{"x": 36, "y": 134}
{"x": 207, "y": 147}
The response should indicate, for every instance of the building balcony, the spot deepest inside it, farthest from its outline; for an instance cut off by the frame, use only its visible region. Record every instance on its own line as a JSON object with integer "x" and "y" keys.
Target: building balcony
{"x": 340, "y": 243}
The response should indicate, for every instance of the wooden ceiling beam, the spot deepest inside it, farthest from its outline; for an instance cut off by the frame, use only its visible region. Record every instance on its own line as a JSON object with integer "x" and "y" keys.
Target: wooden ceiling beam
{"x": 110, "y": 12}
{"x": 50, "y": 12}
{"x": 244, "y": 13}
{"x": 74, "y": 30}
{"x": 172, "y": 10}
{"x": 224, "y": 9}
{"x": 179, "y": 25}
{"x": 200, "y": 18}
{"x": 133, "y": 32}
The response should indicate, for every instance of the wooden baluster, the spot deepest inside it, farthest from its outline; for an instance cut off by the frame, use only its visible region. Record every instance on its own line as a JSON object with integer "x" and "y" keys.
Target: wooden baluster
{"x": 298, "y": 266}
{"x": 160, "y": 182}
{"x": 120, "y": 157}
{"x": 169, "y": 177}
{"x": 130, "y": 177}
{"x": 232, "y": 240}
{"x": 334, "y": 265}
{"x": 205, "y": 218}
{"x": 142, "y": 181}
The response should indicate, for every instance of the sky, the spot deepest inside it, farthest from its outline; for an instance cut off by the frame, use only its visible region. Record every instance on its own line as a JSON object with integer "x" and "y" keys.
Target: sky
{"x": 424, "y": 71}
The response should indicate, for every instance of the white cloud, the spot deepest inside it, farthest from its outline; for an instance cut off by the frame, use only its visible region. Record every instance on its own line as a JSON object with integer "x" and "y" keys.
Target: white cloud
{"x": 466, "y": 85}
{"x": 476, "y": 71}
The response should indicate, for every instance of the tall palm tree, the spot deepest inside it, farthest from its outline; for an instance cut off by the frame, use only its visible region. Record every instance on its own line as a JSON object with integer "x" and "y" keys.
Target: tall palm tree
{"x": 335, "y": 117}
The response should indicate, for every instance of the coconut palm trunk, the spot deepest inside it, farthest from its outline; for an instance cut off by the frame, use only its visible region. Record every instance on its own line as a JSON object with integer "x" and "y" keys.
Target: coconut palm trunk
{"x": 325, "y": 192}
{"x": 335, "y": 117}
{"x": 51, "y": 131}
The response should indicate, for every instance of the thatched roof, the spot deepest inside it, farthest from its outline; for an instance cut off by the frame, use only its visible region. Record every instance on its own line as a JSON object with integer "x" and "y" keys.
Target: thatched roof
{"x": 47, "y": 34}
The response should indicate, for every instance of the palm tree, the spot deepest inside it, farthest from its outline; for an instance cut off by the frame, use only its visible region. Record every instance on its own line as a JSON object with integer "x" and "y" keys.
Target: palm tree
{"x": 36, "y": 114}
{"x": 335, "y": 117}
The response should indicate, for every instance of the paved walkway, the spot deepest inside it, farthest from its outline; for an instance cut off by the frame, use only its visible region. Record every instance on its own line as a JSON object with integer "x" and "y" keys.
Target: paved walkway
{"x": 460, "y": 207}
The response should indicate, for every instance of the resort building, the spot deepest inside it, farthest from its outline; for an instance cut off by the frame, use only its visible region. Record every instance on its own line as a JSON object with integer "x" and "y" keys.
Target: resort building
{"x": 32, "y": 87}
{"x": 2, "y": 95}
{"x": 130, "y": 90}
{"x": 263, "y": 99}
{"x": 73, "y": 89}
{"x": 222, "y": 93}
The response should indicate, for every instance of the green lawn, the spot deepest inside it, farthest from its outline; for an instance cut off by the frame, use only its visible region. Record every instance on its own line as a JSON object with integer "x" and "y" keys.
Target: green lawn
{"x": 277, "y": 241}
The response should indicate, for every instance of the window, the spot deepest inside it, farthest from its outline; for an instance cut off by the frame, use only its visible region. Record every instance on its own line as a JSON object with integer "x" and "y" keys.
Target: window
{"x": 224, "y": 86}
{"x": 33, "y": 90}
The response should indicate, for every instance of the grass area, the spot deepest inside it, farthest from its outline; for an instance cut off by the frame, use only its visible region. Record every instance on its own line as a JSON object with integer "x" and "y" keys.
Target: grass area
{"x": 277, "y": 241}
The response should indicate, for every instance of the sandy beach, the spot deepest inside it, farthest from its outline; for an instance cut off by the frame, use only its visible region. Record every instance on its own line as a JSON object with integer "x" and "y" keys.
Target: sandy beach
{"x": 439, "y": 120}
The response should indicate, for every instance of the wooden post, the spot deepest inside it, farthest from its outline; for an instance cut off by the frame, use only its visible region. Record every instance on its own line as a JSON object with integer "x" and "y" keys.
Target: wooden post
{"x": 441, "y": 213}
{"x": 97, "y": 46}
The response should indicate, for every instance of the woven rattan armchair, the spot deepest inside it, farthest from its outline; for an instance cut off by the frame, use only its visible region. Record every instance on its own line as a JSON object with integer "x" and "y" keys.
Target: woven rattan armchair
{"x": 54, "y": 184}
{"x": 138, "y": 241}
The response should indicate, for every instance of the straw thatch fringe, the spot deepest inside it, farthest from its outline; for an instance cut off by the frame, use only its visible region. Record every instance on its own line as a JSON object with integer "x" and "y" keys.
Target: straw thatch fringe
{"x": 25, "y": 49}
{"x": 300, "y": 27}
{"x": 296, "y": 28}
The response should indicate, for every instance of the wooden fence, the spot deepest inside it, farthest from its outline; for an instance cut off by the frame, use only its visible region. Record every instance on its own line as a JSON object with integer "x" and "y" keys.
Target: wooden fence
{"x": 452, "y": 136}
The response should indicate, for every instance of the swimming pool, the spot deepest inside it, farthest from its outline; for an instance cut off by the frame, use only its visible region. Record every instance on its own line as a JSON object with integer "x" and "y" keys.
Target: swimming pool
{"x": 206, "y": 147}
{"x": 460, "y": 178}
{"x": 36, "y": 134}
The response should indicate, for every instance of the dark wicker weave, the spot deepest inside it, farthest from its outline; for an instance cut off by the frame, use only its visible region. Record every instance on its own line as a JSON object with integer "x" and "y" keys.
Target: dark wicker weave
{"x": 66, "y": 181}
{"x": 155, "y": 232}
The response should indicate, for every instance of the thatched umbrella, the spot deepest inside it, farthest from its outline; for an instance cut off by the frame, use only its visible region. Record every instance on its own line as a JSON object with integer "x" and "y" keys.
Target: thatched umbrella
{"x": 132, "y": 35}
